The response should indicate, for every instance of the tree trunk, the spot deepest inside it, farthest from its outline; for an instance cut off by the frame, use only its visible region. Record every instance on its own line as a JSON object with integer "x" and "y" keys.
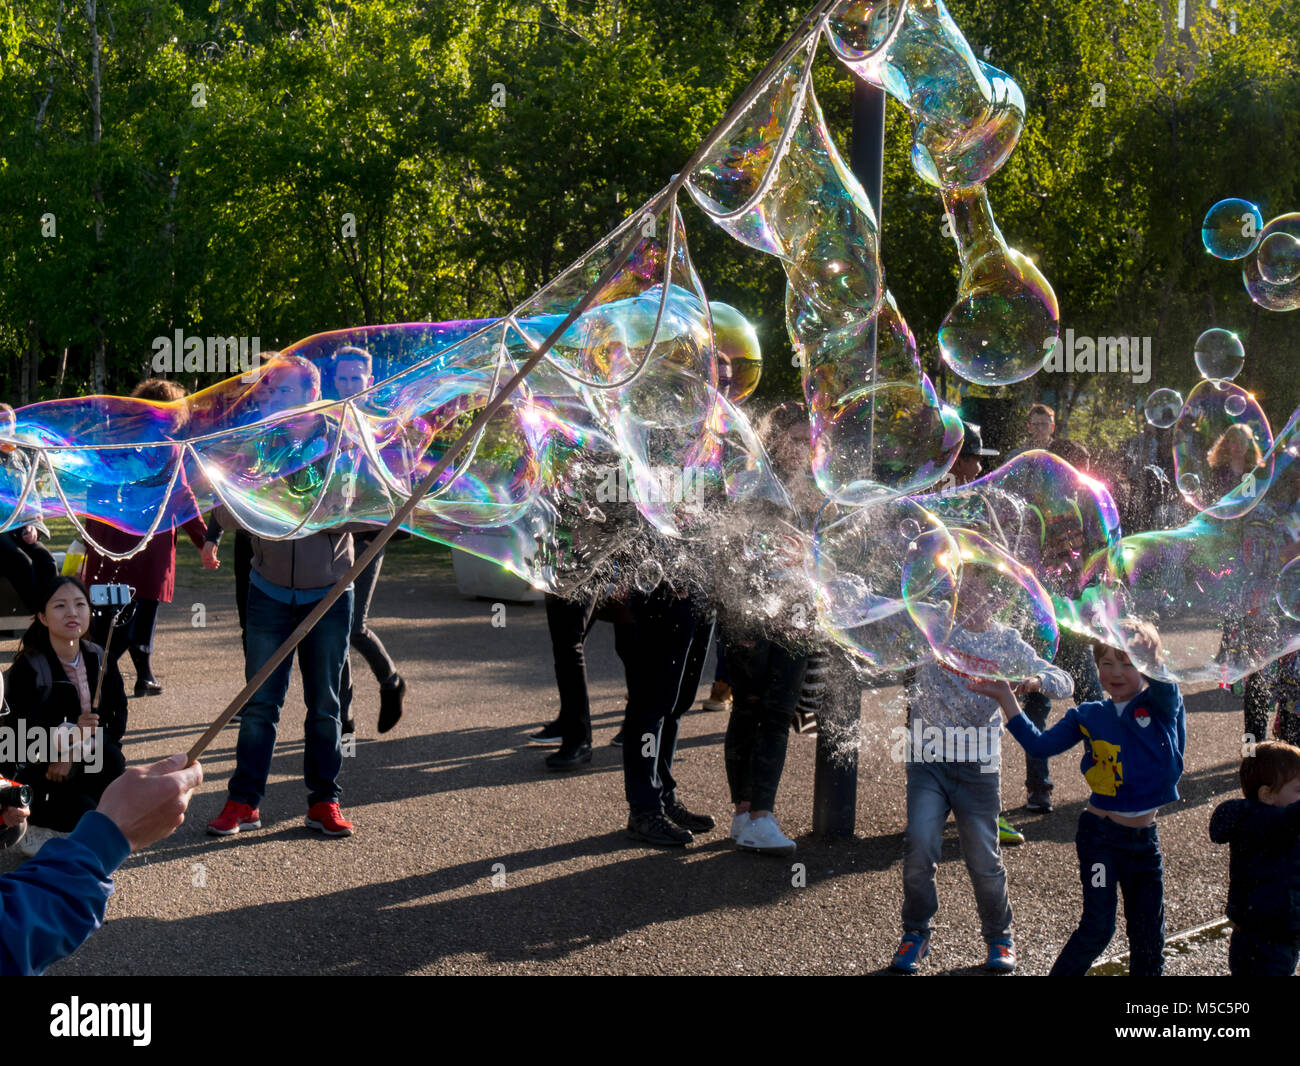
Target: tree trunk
{"x": 99, "y": 372}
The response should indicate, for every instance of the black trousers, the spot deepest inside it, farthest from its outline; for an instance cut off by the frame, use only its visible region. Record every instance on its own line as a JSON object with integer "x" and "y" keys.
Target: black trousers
{"x": 766, "y": 681}
{"x": 672, "y": 641}
{"x": 29, "y": 568}
{"x": 59, "y": 805}
{"x": 570, "y": 622}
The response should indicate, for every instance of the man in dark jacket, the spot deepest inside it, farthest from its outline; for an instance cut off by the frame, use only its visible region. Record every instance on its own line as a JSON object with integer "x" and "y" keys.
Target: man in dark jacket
{"x": 1263, "y": 835}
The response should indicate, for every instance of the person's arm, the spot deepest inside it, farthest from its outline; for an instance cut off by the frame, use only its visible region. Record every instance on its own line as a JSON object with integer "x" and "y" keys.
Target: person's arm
{"x": 197, "y": 530}
{"x": 1061, "y": 737}
{"x": 1043, "y": 745}
{"x": 1165, "y": 698}
{"x": 53, "y": 902}
{"x": 1053, "y": 682}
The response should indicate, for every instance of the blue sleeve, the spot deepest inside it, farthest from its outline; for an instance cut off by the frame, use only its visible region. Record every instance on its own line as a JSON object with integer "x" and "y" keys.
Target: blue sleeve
{"x": 1061, "y": 737}
{"x": 1165, "y": 698}
{"x": 52, "y": 903}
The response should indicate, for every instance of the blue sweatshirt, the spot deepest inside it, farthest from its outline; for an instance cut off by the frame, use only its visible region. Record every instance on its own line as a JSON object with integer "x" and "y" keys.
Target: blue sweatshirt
{"x": 1132, "y": 760}
{"x": 51, "y": 904}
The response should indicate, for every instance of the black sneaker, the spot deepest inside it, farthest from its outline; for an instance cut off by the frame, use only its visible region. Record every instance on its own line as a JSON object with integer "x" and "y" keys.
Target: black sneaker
{"x": 1040, "y": 800}
{"x": 390, "y": 704}
{"x": 617, "y": 742}
{"x": 548, "y": 734}
{"x": 570, "y": 759}
{"x": 656, "y": 829}
{"x": 696, "y": 823}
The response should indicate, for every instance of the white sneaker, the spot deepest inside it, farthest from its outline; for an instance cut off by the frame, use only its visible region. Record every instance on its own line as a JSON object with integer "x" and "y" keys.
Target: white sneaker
{"x": 34, "y": 839}
{"x": 764, "y": 835}
{"x": 738, "y": 823}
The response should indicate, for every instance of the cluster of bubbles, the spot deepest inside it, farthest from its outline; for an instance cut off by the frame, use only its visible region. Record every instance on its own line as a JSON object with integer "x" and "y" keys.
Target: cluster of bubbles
{"x": 1234, "y": 229}
{"x": 625, "y": 457}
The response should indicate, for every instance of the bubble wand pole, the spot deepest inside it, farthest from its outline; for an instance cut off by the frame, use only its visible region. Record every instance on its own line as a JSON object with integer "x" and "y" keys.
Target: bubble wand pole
{"x": 808, "y": 25}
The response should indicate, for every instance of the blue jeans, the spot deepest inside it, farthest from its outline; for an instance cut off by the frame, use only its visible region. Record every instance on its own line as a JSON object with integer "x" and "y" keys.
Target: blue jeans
{"x": 934, "y": 789}
{"x": 320, "y": 662}
{"x": 1114, "y": 858}
{"x": 1250, "y": 955}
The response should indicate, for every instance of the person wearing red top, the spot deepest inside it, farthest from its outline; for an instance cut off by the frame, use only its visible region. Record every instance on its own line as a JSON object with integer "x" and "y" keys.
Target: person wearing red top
{"x": 152, "y": 572}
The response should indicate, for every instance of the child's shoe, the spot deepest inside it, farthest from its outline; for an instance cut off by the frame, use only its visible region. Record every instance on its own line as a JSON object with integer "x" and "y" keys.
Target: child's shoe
{"x": 1002, "y": 955}
{"x": 911, "y": 950}
{"x": 1008, "y": 834}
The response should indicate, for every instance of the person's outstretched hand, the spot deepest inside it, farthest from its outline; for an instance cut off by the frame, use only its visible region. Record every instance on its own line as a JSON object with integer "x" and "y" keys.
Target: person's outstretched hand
{"x": 148, "y": 802}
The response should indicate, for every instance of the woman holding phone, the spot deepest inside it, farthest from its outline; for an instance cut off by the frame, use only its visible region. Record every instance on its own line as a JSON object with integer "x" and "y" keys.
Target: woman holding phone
{"x": 68, "y": 713}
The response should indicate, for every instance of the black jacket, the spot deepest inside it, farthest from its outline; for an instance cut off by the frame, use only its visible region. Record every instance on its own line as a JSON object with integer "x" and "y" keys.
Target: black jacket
{"x": 62, "y": 704}
{"x": 1263, "y": 866}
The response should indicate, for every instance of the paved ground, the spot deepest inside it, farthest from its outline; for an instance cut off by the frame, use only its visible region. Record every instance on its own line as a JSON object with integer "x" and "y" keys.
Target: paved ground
{"x": 455, "y": 796}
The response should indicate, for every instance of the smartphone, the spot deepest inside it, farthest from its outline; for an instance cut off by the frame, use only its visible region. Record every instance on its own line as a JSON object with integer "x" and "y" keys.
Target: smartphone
{"x": 110, "y": 595}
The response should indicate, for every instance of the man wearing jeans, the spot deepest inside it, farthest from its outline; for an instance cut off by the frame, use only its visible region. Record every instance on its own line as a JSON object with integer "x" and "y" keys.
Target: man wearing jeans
{"x": 288, "y": 578}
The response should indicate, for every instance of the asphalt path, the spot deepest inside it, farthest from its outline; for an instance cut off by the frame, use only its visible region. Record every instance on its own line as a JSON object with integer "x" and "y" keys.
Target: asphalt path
{"x": 471, "y": 858}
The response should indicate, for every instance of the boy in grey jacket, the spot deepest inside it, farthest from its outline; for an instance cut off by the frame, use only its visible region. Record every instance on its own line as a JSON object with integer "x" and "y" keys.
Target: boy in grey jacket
{"x": 953, "y": 752}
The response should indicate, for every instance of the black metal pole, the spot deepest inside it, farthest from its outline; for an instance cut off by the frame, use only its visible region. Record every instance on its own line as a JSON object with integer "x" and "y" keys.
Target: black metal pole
{"x": 835, "y": 777}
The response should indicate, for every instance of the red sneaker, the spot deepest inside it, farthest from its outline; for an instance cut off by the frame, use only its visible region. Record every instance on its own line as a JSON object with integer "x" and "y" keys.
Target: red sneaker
{"x": 328, "y": 819}
{"x": 234, "y": 817}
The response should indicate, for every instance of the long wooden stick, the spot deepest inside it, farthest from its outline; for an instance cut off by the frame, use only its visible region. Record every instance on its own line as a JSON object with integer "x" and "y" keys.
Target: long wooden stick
{"x": 668, "y": 195}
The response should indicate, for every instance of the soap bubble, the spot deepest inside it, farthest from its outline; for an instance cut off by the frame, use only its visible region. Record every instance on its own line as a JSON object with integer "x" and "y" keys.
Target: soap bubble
{"x": 1231, "y": 229}
{"x": 1279, "y": 258}
{"x": 1163, "y": 407}
{"x": 1003, "y": 621}
{"x": 861, "y": 556}
{"x": 648, "y": 576}
{"x": 1219, "y": 355}
{"x": 1281, "y": 295}
{"x": 1288, "y": 590}
{"x": 1215, "y": 447}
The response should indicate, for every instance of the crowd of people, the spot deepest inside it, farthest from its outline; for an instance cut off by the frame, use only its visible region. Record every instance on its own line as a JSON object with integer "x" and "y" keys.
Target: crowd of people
{"x": 65, "y": 682}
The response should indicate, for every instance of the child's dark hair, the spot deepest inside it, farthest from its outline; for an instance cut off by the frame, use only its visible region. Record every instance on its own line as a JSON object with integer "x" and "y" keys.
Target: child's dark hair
{"x": 36, "y": 640}
{"x": 1273, "y": 765}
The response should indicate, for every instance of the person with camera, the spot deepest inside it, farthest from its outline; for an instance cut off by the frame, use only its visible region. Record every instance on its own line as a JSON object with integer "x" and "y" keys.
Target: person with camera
{"x": 67, "y": 709}
{"x": 52, "y": 904}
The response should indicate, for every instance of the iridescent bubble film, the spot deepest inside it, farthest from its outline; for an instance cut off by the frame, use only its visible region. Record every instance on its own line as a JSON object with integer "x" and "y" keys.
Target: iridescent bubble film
{"x": 1231, "y": 229}
{"x": 1217, "y": 451}
{"x": 1279, "y": 258}
{"x": 626, "y": 458}
{"x": 1282, "y": 294}
{"x": 1163, "y": 407}
{"x": 1219, "y": 355}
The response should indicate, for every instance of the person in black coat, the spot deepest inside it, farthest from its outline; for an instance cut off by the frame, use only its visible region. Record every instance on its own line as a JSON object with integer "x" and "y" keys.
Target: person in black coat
{"x": 1263, "y": 835}
{"x": 53, "y": 680}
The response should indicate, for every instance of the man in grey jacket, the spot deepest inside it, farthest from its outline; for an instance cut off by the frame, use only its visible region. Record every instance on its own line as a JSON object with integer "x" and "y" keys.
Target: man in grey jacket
{"x": 288, "y": 578}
